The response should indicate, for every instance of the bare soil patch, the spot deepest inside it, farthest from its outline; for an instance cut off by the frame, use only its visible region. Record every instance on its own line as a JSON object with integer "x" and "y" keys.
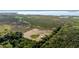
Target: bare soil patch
{"x": 36, "y": 34}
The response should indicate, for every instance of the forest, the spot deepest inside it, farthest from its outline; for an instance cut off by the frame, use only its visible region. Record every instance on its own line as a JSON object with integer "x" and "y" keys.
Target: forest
{"x": 39, "y": 31}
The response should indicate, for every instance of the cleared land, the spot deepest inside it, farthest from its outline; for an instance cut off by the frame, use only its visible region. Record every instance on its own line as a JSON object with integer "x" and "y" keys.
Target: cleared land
{"x": 36, "y": 34}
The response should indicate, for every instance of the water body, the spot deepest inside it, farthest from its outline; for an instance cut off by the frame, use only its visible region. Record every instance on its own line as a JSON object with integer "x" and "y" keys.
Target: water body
{"x": 42, "y": 12}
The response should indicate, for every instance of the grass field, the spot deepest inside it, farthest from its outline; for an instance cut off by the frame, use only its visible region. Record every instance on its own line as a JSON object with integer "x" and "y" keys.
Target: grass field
{"x": 5, "y": 29}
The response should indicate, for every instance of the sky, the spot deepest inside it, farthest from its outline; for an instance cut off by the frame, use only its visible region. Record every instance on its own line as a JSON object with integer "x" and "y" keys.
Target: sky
{"x": 39, "y": 4}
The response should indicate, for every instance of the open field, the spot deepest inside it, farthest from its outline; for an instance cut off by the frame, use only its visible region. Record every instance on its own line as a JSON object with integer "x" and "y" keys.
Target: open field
{"x": 36, "y": 34}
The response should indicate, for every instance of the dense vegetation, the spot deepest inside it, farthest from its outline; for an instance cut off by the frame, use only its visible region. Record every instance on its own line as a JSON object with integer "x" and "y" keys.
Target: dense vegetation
{"x": 15, "y": 40}
{"x": 66, "y": 37}
{"x": 65, "y": 31}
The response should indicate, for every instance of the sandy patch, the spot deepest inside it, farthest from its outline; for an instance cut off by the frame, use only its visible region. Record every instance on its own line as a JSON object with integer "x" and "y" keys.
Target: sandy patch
{"x": 35, "y": 31}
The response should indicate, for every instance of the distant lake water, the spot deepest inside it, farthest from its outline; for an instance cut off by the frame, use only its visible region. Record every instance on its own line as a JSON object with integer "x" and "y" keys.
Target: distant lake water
{"x": 39, "y": 12}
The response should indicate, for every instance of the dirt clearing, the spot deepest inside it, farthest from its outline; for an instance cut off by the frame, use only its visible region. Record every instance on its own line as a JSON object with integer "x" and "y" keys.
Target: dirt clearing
{"x": 36, "y": 34}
